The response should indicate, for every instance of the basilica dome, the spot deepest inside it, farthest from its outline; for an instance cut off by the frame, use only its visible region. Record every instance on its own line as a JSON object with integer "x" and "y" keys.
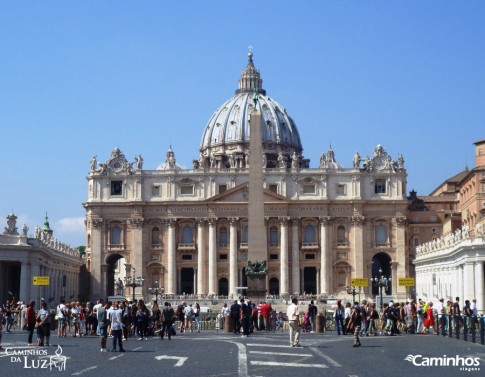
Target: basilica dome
{"x": 225, "y": 141}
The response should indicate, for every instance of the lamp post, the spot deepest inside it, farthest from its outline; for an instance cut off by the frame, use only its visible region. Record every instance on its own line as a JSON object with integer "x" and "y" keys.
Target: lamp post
{"x": 156, "y": 290}
{"x": 382, "y": 282}
{"x": 131, "y": 281}
{"x": 353, "y": 292}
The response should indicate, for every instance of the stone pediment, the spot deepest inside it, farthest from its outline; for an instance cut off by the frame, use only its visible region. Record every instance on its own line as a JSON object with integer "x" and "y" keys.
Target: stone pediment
{"x": 240, "y": 193}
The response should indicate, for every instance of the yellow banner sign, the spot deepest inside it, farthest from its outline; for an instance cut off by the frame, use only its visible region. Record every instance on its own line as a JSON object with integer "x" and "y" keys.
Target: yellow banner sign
{"x": 360, "y": 282}
{"x": 406, "y": 282}
{"x": 40, "y": 280}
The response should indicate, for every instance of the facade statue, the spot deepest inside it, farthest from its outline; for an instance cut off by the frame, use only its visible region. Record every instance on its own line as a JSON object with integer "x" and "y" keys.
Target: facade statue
{"x": 119, "y": 287}
{"x": 25, "y": 229}
{"x": 400, "y": 161}
{"x": 294, "y": 160}
{"x": 93, "y": 164}
{"x": 323, "y": 161}
{"x": 11, "y": 227}
{"x": 139, "y": 162}
{"x": 256, "y": 267}
{"x": 281, "y": 160}
{"x": 357, "y": 160}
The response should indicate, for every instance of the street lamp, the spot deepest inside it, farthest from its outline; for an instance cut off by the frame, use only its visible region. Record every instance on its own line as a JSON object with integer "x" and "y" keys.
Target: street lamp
{"x": 156, "y": 290}
{"x": 131, "y": 281}
{"x": 352, "y": 292}
{"x": 382, "y": 282}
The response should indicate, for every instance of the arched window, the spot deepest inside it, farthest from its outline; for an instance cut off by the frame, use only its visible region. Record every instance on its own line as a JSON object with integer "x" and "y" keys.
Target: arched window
{"x": 116, "y": 235}
{"x": 187, "y": 234}
{"x": 273, "y": 236}
{"x": 155, "y": 236}
{"x": 222, "y": 236}
{"x": 309, "y": 233}
{"x": 381, "y": 235}
{"x": 245, "y": 233}
{"x": 341, "y": 239}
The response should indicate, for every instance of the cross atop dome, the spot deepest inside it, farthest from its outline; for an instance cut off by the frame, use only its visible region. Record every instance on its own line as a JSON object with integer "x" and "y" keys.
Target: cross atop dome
{"x": 250, "y": 80}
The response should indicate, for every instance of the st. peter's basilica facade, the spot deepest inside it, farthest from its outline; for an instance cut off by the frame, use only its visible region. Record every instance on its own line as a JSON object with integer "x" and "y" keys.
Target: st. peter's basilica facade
{"x": 187, "y": 229}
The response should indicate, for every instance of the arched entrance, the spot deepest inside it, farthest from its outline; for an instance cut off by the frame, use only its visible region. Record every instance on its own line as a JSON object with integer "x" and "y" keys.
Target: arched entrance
{"x": 187, "y": 281}
{"x": 113, "y": 266}
{"x": 274, "y": 286}
{"x": 381, "y": 266}
{"x": 223, "y": 287}
{"x": 310, "y": 280}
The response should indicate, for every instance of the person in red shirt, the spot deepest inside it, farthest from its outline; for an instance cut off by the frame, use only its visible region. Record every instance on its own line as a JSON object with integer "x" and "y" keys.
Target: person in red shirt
{"x": 266, "y": 313}
{"x": 30, "y": 319}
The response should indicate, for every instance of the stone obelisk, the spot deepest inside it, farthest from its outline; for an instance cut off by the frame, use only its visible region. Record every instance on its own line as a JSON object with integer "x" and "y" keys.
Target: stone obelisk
{"x": 257, "y": 245}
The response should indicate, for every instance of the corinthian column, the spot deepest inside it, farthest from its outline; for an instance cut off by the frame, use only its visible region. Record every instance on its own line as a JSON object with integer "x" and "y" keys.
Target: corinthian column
{"x": 295, "y": 257}
{"x": 284, "y": 256}
{"x": 212, "y": 257}
{"x": 358, "y": 246}
{"x": 233, "y": 257}
{"x": 201, "y": 275}
{"x": 325, "y": 255}
{"x": 171, "y": 268}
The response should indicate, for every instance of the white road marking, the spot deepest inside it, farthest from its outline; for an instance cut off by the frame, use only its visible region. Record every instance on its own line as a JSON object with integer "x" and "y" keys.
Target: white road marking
{"x": 137, "y": 348}
{"x": 277, "y": 364}
{"x": 281, "y": 353}
{"x": 115, "y": 357}
{"x": 267, "y": 345}
{"x": 179, "y": 363}
{"x": 84, "y": 370}
{"x": 328, "y": 358}
{"x": 242, "y": 360}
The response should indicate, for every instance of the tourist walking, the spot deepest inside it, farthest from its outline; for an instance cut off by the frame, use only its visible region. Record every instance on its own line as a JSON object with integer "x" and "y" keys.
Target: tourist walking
{"x": 197, "y": 316}
{"x": 338, "y": 314}
{"x": 167, "y": 315}
{"x": 235, "y": 315}
{"x": 293, "y": 315}
{"x": 115, "y": 319}
{"x": 30, "y": 320}
{"x": 356, "y": 320}
{"x": 44, "y": 325}
{"x": 101, "y": 315}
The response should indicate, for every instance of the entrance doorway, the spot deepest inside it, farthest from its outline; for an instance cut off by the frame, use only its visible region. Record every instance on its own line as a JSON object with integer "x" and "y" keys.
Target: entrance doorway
{"x": 223, "y": 287}
{"x": 187, "y": 281}
{"x": 310, "y": 280}
{"x": 274, "y": 286}
{"x": 381, "y": 266}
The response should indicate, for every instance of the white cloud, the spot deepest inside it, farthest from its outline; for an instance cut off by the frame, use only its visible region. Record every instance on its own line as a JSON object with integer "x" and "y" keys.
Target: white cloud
{"x": 71, "y": 230}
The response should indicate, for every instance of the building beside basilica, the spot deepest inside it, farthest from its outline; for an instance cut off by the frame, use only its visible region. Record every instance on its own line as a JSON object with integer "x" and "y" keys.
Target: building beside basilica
{"x": 187, "y": 229}
{"x": 23, "y": 257}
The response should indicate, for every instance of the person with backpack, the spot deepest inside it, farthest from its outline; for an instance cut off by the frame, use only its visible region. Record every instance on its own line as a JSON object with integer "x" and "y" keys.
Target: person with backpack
{"x": 181, "y": 315}
{"x": 235, "y": 316}
{"x": 167, "y": 321}
{"x": 61, "y": 319}
{"x": 245, "y": 317}
{"x": 189, "y": 317}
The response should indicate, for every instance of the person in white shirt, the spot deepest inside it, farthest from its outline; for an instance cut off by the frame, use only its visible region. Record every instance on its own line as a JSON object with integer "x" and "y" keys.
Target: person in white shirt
{"x": 439, "y": 309}
{"x": 189, "y": 317}
{"x": 115, "y": 317}
{"x": 293, "y": 315}
{"x": 61, "y": 319}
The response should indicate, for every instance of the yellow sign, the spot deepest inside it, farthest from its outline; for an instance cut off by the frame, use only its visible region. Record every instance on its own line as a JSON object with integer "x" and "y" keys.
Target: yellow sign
{"x": 40, "y": 280}
{"x": 406, "y": 282}
{"x": 360, "y": 282}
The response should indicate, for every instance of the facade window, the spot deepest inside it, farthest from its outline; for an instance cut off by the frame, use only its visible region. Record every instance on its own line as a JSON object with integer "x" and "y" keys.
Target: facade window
{"x": 381, "y": 235}
{"x": 156, "y": 191}
{"x": 187, "y": 190}
{"x": 223, "y": 256}
{"x": 245, "y": 233}
{"x": 309, "y": 189}
{"x": 156, "y": 236}
{"x": 273, "y": 188}
{"x": 222, "y": 188}
{"x": 116, "y": 187}
{"x": 309, "y": 256}
{"x": 223, "y": 236}
{"x": 416, "y": 241}
{"x": 309, "y": 233}
{"x": 341, "y": 239}
{"x": 187, "y": 234}
{"x": 380, "y": 186}
{"x": 273, "y": 236}
{"x": 116, "y": 235}
{"x": 273, "y": 256}
{"x": 482, "y": 186}
{"x": 186, "y": 257}
{"x": 341, "y": 189}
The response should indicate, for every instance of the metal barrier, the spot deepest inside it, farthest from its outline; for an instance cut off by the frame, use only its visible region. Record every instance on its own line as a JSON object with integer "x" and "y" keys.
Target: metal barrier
{"x": 459, "y": 326}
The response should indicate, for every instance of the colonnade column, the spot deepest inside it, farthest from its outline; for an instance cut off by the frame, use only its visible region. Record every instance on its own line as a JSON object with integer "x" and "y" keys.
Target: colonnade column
{"x": 136, "y": 225}
{"x": 468, "y": 278}
{"x": 284, "y": 256}
{"x": 171, "y": 268}
{"x": 212, "y": 257}
{"x": 325, "y": 256}
{"x": 479, "y": 282}
{"x": 233, "y": 257}
{"x": 25, "y": 282}
{"x": 201, "y": 279}
{"x": 295, "y": 256}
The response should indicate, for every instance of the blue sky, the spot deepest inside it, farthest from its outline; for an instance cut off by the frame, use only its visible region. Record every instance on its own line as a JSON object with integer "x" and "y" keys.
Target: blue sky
{"x": 80, "y": 78}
